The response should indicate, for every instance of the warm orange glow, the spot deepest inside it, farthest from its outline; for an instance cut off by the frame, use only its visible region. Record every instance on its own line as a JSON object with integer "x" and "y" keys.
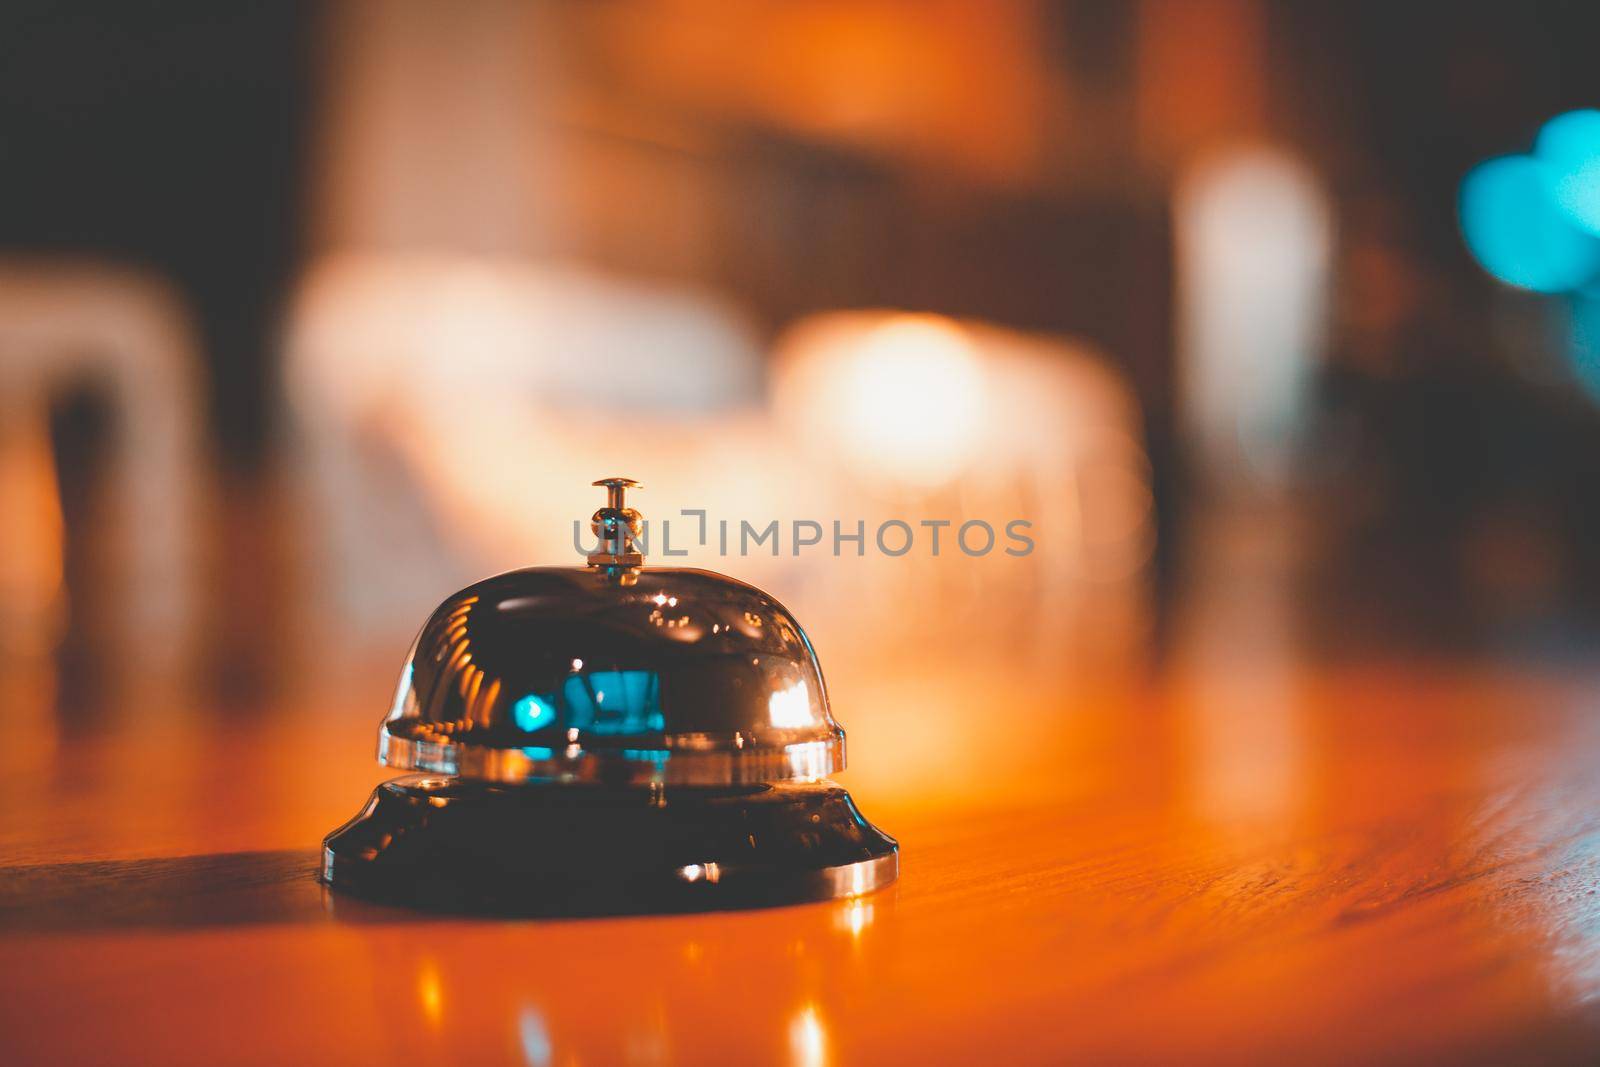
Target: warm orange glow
{"x": 30, "y": 565}
{"x": 1201, "y": 74}
{"x": 808, "y": 1041}
{"x": 855, "y": 916}
{"x": 905, "y": 399}
{"x": 956, "y": 82}
{"x": 430, "y": 992}
{"x": 840, "y": 265}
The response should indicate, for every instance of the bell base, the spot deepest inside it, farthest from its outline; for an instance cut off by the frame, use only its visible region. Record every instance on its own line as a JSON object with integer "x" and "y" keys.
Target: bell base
{"x": 453, "y": 845}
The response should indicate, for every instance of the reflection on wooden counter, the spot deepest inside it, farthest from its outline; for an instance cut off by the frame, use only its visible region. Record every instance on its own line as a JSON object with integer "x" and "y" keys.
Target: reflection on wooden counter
{"x": 1379, "y": 864}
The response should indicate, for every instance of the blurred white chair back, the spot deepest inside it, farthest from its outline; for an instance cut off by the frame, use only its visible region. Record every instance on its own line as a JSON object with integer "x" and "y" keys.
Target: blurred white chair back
{"x": 450, "y": 412}
{"x": 126, "y": 337}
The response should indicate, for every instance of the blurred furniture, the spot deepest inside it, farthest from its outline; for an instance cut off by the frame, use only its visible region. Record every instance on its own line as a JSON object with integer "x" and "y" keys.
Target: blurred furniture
{"x": 451, "y": 411}
{"x": 125, "y": 339}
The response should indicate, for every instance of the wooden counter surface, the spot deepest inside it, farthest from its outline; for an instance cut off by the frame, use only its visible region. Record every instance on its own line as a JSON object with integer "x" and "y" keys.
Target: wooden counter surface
{"x": 1316, "y": 864}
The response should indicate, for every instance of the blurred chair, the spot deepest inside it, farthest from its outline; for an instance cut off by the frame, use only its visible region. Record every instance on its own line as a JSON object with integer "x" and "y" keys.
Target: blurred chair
{"x": 451, "y": 410}
{"x": 126, "y": 338}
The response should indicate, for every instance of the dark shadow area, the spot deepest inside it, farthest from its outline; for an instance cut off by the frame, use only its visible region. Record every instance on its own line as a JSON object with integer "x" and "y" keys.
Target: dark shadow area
{"x": 179, "y": 892}
{"x": 247, "y": 888}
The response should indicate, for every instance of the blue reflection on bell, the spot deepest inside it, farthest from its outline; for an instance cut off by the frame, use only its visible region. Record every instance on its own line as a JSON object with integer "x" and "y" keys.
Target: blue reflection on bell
{"x": 533, "y": 712}
{"x": 586, "y": 735}
{"x": 614, "y": 702}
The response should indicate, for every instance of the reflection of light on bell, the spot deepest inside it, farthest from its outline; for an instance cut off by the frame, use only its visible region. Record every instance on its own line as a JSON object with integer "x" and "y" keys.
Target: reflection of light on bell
{"x": 583, "y": 758}
{"x": 790, "y": 708}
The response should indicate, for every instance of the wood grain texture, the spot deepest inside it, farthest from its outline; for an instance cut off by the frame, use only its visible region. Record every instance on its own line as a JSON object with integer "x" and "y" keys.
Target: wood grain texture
{"x": 1228, "y": 863}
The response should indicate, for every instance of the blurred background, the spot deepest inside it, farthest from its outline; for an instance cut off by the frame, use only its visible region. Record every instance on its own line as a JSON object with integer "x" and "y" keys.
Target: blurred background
{"x": 1280, "y": 322}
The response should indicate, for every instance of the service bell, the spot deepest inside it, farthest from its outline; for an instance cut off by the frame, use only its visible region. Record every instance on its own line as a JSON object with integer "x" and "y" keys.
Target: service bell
{"x": 610, "y": 738}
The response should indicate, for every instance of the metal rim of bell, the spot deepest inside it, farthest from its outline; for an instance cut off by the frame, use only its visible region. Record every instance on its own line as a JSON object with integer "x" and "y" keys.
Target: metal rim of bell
{"x": 710, "y": 765}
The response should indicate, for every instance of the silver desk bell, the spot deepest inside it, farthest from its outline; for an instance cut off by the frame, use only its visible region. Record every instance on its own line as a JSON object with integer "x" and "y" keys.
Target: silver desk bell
{"x": 609, "y": 739}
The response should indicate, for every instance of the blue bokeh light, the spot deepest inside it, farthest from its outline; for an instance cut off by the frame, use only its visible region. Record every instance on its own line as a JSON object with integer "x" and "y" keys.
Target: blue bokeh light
{"x": 1517, "y": 231}
{"x": 533, "y": 712}
{"x": 1569, "y": 148}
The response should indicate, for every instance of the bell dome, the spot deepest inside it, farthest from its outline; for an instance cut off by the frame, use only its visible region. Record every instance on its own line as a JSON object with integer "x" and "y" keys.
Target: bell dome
{"x": 597, "y": 674}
